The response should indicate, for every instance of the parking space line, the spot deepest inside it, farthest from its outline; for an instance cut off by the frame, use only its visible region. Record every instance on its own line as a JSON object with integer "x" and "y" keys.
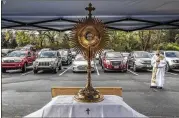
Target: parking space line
{"x": 96, "y": 68}
{"x": 26, "y": 73}
{"x": 132, "y": 72}
{"x": 65, "y": 70}
{"x": 171, "y": 73}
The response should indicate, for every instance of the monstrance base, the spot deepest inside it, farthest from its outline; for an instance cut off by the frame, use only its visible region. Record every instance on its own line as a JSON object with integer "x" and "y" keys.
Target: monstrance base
{"x": 89, "y": 95}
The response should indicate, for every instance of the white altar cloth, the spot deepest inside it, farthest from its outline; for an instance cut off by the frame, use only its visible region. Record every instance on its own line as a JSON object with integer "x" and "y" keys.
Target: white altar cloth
{"x": 65, "y": 106}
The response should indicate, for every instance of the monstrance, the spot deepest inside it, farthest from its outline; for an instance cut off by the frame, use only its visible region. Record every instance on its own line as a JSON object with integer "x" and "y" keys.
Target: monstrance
{"x": 89, "y": 37}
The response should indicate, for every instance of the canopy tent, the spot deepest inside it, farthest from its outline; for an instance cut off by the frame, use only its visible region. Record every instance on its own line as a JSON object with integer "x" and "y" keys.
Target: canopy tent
{"x": 61, "y": 15}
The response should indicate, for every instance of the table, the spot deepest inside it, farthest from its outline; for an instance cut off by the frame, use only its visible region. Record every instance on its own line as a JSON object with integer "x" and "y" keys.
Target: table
{"x": 65, "y": 106}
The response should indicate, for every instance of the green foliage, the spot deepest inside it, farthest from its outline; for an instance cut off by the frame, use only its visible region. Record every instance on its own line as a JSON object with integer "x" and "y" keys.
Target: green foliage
{"x": 172, "y": 46}
{"x": 22, "y": 38}
{"x": 119, "y": 41}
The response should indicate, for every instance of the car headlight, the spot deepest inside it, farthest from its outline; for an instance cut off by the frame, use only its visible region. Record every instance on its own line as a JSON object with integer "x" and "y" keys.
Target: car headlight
{"x": 108, "y": 62}
{"x": 140, "y": 61}
{"x": 52, "y": 62}
{"x": 124, "y": 61}
{"x": 92, "y": 65}
{"x": 175, "y": 61}
{"x": 17, "y": 60}
{"x": 35, "y": 63}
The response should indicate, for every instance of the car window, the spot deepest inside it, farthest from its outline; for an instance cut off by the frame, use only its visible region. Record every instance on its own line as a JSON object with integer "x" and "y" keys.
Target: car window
{"x": 63, "y": 52}
{"x": 142, "y": 55}
{"x": 114, "y": 55}
{"x": 171, "y": 54}
{"x": 47, "y": 54}
{"x": 79, "y": 58}
{"x": 17, "y": 54}
{"x": 125, "y": 54}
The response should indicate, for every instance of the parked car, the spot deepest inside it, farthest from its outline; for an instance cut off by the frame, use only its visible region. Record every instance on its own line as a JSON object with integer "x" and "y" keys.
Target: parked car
{"x": 80, "y": 64}
{"x": 48, "y": 60}
{"x": 139, "y": 60}
{"x": 66, "y": 56}
{"x": 17, "y": 60}
{"x": 114, "y": 61}
{"x": 172, "y": 58}
{"x": 101, "y": 56}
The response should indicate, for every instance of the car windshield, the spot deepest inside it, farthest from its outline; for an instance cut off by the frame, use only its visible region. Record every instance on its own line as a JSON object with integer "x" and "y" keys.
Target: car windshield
{"x": 171, "y": 54}
{"x": 80, "y": 58}
{"x": 142, "y": 55}
{"x": 114, "y": 55}
{"x": 63, "y": 52}
{"x": 47, "y": 54}
{"x": 125, "y": 54}
{"x": 17, "y": 54}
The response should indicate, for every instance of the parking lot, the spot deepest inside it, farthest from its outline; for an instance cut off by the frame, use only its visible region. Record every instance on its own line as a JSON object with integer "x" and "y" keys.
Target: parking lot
{"x": 23, "y": 93}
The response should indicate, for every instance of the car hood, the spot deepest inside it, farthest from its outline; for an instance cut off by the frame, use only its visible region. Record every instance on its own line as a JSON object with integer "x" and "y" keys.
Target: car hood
{"x": 169, "y": 59}
{"x": 12, "y": 58}
{"x": 45, "y": 59}
{"x": 81, "y": 62}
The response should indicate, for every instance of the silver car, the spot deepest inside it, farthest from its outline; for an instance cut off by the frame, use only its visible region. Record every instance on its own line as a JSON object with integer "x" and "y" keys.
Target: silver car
{"x": 172, "y": 58}
{"x": 48, "y": 60}
{"x": 80, "y": 64}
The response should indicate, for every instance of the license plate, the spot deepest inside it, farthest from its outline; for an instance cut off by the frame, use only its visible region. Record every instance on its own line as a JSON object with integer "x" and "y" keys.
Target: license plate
{"x": 116, "y": 66}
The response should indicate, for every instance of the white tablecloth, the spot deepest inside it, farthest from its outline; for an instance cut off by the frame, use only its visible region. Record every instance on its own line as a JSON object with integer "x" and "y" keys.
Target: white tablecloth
{"x": 65, "y": 106}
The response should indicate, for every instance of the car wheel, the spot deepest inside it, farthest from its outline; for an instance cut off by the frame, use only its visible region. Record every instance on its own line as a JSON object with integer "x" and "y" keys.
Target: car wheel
{"x": 124, "y": 71}
{"x": 3, "y": 70}
{"x": 134, "y": 68}
{"x": 68, "y": 62}
{"x": 60, "y": 67}
{"x": 104, "y": 70}
{"x": 55, "y": 70}
{"x": 167, "y": 68}
{"x": 35, "y": 71}
{"x": 24, "y": 69}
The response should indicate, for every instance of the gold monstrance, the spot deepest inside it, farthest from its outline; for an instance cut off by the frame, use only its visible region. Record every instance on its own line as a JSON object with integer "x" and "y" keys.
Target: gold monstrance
{"x": 89, "y": 37}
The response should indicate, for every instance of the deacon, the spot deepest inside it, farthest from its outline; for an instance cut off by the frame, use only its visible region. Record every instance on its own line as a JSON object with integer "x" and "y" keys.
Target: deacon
{"x": 158, "y": 74}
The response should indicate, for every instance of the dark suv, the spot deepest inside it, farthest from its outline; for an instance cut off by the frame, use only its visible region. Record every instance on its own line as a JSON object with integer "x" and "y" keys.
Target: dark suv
{"x": 139, "y": 60}
{"x": 66, "y": 56}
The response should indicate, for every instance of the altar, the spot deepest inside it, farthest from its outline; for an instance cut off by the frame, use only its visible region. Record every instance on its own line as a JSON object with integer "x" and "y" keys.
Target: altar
{"x": 66, "y": 106}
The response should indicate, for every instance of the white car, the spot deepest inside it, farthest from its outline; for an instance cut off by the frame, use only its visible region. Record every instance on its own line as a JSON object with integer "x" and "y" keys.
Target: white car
{"x": 80, "y": 64}
{"x": 172, "y": 58}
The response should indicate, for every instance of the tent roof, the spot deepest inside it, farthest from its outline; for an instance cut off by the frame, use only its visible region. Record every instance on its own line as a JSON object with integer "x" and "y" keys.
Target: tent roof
{"x": 61, "y": 15}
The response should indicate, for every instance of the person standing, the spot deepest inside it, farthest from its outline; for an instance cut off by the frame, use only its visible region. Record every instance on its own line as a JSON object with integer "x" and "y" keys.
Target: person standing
{"x": 158, "y": 74}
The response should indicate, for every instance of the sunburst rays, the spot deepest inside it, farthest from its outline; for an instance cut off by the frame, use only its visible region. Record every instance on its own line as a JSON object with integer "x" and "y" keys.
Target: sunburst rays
{"x": 101, "y": 31}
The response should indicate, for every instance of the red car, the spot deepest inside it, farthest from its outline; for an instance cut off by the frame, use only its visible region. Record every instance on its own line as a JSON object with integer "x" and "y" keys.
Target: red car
{"x": 18, "y": 60}
{"x": 114, "y": 61}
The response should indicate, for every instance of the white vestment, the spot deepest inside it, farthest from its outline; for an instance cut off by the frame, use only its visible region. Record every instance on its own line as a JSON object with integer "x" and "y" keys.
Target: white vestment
{"x": 160, "y": 73}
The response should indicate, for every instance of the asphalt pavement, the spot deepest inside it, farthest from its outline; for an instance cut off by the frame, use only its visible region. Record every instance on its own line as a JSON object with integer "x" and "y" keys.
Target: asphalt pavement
{"x": 24, "y": 93}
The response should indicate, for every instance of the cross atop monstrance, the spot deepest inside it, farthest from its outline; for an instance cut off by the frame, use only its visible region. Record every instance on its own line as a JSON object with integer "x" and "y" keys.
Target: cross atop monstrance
{"x": 90, "y": 9}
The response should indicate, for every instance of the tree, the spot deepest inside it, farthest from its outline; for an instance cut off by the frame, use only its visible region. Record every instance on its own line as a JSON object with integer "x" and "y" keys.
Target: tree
{"x": 13, "y": 43}
{"x": 65, "y": 43}
{"x": 22, "y": 38}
